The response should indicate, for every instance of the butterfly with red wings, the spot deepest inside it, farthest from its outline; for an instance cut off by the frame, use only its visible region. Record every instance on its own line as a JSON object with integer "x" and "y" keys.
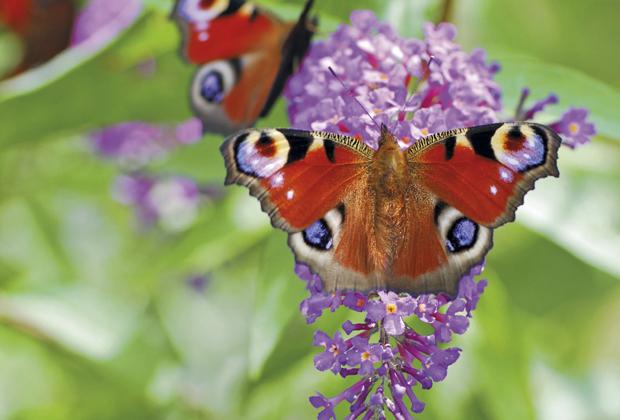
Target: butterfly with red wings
{"x": 43, "y": 27}
{"x": 413, "y": 220}
{"x": 245, "y": 56}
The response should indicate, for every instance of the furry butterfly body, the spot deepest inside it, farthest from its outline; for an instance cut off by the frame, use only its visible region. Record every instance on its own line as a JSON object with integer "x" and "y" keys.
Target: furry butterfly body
{"x": 412, "y": 220}
{"x": 245, "y": 56}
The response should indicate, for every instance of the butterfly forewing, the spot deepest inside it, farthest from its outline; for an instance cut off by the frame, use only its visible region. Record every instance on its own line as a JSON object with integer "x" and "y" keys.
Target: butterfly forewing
{"x": 297, "y": 175}
{"x": 486, "y": 171}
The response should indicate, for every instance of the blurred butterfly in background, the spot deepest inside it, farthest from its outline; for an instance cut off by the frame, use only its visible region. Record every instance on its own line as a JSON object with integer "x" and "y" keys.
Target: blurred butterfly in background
{"x": 413, "y": 220}
{"x": 245, "y": 56}
{"x": 43, "y": 27}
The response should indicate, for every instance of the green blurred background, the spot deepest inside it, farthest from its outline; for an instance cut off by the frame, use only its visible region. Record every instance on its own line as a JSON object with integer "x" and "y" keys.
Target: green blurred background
{"x": 97, "y": 320}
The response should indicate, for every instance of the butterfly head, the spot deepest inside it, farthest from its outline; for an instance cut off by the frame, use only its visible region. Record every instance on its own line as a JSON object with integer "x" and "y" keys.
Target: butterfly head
{"x": 387, "y": 140}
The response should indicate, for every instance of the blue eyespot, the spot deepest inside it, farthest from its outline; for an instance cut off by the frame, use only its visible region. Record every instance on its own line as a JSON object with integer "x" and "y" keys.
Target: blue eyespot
{"x": 212, "y": 89}
{"x": 462, "y": 235}
{"x": 318, "y": 235}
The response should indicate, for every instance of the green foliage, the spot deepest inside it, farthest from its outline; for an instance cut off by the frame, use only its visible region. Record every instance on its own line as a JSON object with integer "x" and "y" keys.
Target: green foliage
{"x": 96, "y": 320}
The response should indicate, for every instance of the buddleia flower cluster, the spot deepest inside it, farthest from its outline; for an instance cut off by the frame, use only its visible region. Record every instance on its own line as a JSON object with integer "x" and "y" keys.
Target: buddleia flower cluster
{"x": 360, "y": 77}
{"x": 171, "y": 202}
{"x": 135, "y": 144}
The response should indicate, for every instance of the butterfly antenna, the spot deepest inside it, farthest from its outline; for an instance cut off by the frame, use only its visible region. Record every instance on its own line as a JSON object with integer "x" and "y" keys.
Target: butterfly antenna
{"x": 407, "y": 100}
{"x": 350, "y": 93}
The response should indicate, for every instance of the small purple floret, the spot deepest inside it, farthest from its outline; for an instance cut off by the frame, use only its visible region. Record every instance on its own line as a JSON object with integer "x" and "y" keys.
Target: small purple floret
{"x": 574, "y": 128}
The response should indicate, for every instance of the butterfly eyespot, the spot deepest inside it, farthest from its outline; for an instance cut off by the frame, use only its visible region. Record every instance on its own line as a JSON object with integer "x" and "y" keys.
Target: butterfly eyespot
{"x": 318, "y": 235}
{"x": 261, "y": 154}
{"x": 265, "y": 146}
{"x": 462, "y": 235}
{"x": 212, "y": 89}
{"x": 212, "y": 83}
{"x": 520, "y": 148}
{"x": 201, "y": 10}
{"x": 205, "y": 4}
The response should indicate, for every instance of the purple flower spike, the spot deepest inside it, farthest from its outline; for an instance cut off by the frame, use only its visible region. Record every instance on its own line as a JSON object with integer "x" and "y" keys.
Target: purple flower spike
{"x": 574, "y": 128}
{"x": 416, "y": 88}
{"x": 135, "y": 144}
{"x": 173, "y": 202}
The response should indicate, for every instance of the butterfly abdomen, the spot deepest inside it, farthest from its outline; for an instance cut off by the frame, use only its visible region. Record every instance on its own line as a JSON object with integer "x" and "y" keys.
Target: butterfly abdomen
{"x": 389, "y": 180}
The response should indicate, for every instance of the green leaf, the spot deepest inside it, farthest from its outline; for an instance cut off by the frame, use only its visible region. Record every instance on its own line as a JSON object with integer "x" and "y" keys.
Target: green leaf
{"x": 579, "y": 210}
{"x": 84, "y": 320}
{"x": 574, "y": 88}
{"x": 278, "y": 293}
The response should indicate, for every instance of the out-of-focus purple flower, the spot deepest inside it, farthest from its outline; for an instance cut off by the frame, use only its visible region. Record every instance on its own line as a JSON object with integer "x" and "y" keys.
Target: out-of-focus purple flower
{"x": 135, "y": 144}
{"x": 574, "y": 128}
{"x": 198, "y": 282}
{"x": 189, "y": 131}
{"x": 416, "y": 88}
{"x": 101, "y": 20}
{"x": 147, "y": 67}
{"x": 527, "y": 114}
{"x": 172, "y": 203}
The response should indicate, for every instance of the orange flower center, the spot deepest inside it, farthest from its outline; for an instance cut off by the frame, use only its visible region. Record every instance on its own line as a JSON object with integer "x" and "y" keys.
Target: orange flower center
{"x": 573, "y": 128}
{"x": 390, "y": 308}
{"x": 365, "y": 356}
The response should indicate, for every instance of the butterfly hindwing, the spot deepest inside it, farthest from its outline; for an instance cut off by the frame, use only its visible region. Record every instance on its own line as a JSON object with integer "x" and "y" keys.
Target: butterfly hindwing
{"x": 441, "y": 245}
{"x": 228, "y": 95}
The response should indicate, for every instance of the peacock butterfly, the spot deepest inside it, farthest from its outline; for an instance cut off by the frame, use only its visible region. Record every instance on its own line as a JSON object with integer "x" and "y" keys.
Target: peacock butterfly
{"x": 43, "y": 26}
{"x": 413, "y": 220}
{"x": 245, "y": 56}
